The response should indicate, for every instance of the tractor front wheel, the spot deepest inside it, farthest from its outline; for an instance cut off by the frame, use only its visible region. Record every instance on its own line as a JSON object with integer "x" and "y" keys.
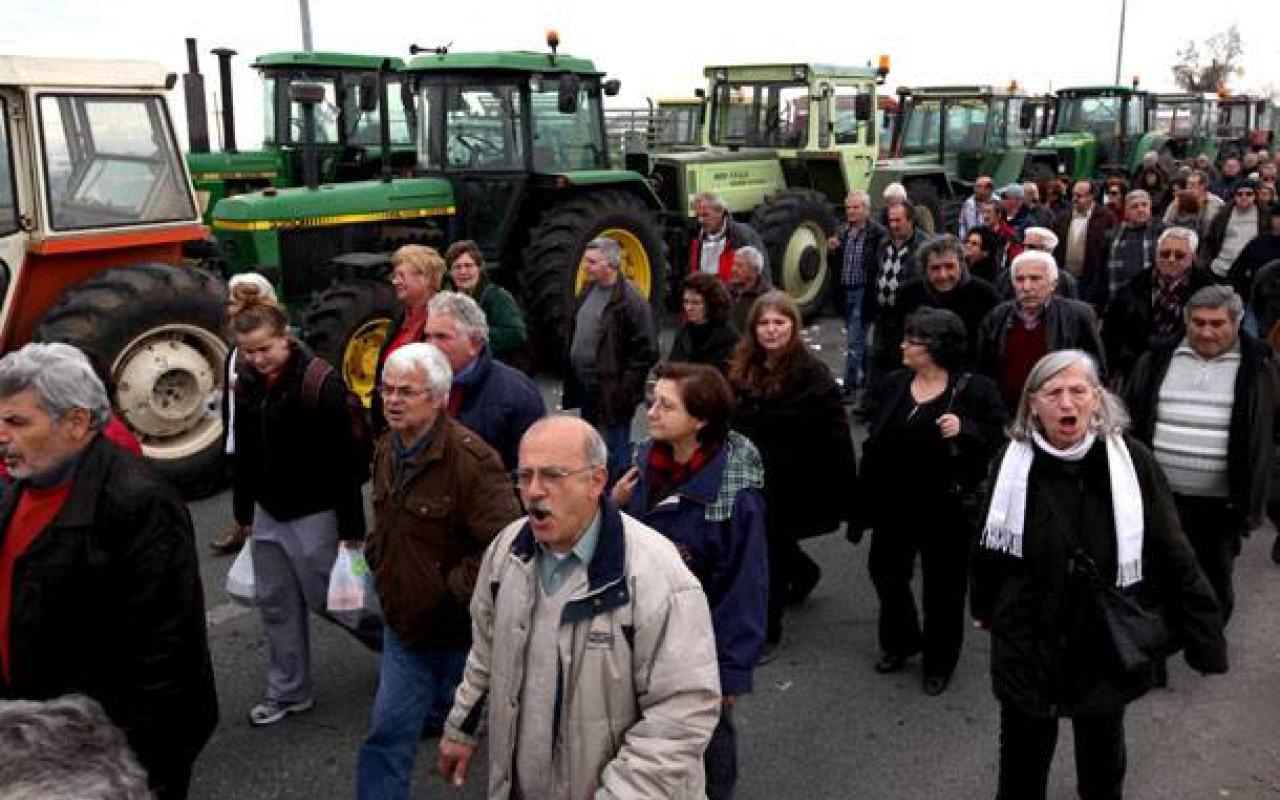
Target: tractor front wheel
{"x": 795, "y": 225}
{"x": 347, "y": 327}
{"x": 156, "y": 330}
{"x": 553, "y": 271}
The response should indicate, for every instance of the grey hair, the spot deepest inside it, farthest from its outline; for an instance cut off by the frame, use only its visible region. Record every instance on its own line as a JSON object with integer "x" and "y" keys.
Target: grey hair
{"x": 1111, "y": 417}
{"x": 463, "y": 310}
{"x": 894, "y": 191}
{"x": 1178, "y": 232}
{"x": 1216, "y": 296}
{"x": 859, "y": 194}
{"x": 1050, "y": 238}
{"x": 428, "y": 358}
{"x": 939, "y": 246}
{"x": 752, "y": 256}
{"x": 1031, "y": 188}
{"x": 61, "y": 377}
{"x": 1040, "y": 257}
{"x": 712, "y": 199}
{"x": 65, "y": 747}
{"x": 611, "y": 250}
{"x": 1137, "y": 194}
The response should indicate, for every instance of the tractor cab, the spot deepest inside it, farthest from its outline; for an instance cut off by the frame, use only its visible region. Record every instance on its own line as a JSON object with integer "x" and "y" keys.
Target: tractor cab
{"x": 1189, "y": 122}
{"x": 1245, "y": 123}
{"x": 1100, "y": 130}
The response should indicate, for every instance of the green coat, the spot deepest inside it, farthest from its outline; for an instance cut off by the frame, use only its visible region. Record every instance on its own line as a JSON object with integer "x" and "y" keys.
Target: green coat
{"x": 507, "y": 332}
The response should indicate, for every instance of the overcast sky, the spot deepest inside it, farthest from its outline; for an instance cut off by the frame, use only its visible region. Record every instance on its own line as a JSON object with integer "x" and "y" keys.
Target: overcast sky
{"x": 658, "y": 48}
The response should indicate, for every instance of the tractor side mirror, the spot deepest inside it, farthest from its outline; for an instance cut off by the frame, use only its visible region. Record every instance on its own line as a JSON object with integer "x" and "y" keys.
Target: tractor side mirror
{"x": 862, "y": 107}
{"x": 367, "y": 94}
{"x": 305, "y": 93}
{"x": 612, "y": 87}
{"x": 1026, "y": 116}
{"x": 567, "y": 102}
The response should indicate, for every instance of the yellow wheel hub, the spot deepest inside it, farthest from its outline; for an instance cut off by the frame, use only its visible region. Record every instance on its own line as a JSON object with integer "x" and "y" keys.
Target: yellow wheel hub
{"x": 360, "y": 357}
{"x": 635, "y": 261}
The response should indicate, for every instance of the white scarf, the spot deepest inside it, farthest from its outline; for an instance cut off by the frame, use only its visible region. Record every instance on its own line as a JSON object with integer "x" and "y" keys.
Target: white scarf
{"x": 1005, "y": 519}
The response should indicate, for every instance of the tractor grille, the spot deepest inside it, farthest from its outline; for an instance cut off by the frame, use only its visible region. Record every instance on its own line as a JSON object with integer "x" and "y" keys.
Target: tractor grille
{"x": 305, "y": 255}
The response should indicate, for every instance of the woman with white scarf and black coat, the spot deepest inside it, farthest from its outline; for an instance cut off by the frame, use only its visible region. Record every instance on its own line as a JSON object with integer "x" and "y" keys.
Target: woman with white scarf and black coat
{"x": 1072, "y": 491}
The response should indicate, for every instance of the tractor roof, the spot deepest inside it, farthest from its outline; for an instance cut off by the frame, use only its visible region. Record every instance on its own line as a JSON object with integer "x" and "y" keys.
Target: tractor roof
{"x": 789, "y": 72}
{"x": 1108, "y": 90}
{"x": 510, "y": 61}
{"x": 961, "y": 91}
{"x": 81, "y": 73}
{"x": 327, "y": 60}
{"x": 1185, "y": 97}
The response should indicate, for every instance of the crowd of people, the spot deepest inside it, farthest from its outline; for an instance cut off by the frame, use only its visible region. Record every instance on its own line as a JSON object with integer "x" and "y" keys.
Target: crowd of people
{"x": 596, "y": 606}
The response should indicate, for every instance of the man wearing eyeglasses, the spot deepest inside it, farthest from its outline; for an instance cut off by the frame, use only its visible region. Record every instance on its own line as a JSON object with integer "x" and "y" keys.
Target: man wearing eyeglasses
{"x": 440, "y": 495}
{"x": 593, "y": 655}
{"x": 1234, "y": 227}
{"x": 1147, "y": 313}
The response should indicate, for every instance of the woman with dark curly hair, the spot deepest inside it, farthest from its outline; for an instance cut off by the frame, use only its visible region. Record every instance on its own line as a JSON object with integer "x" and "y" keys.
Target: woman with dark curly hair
{"x": 983, "y": 249}
{"x": 705, "y": 335}
{"x": 789, "y": 406}
{"x": 932, "y": 431}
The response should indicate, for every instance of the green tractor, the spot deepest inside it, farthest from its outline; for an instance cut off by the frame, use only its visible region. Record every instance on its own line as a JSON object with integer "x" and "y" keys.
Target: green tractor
{"x": 973, "y": 130}
{"x": 346, "y": 129}
{"x": 783, "y": 145}
{"x": 1246, "y": 123}
{"x": 1104, "y": 130}
{"x": 511, "y": 152}
{"x": 1189, "y": 123}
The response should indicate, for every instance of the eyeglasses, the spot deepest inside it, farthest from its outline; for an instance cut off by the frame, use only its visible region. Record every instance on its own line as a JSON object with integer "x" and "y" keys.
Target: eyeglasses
{"x": 665, "y": 406}
{"x": 407, "y": 392}
{"x": 548, "y": 475}
{"x": 1245, "y": 193}
{"x": 1174, "y": 255}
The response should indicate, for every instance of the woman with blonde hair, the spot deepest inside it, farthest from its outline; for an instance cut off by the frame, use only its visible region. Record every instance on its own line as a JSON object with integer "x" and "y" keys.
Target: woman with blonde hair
{"x": 417, "y": 272}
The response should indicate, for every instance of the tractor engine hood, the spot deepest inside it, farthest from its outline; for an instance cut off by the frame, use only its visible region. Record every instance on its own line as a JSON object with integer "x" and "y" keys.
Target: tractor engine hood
{"x": 364, "y": 201}
{"x": 1072, "y": 139}
{"x": 243, "y": 164}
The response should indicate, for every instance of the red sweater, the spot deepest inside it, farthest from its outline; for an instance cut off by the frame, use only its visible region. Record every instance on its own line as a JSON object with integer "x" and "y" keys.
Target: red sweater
{"x": 1022, "y": 349}
{"x": 36, "y": 509}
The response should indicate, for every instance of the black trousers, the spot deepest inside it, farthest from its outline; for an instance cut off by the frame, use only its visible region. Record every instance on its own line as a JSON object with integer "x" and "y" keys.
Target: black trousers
{"x": 1216, "y": 541}
{"x": 789, "y": 566}
{"x": 943, "y": 546}
{"x": 1026, "y": 752}
{"x": 720, "y": 760}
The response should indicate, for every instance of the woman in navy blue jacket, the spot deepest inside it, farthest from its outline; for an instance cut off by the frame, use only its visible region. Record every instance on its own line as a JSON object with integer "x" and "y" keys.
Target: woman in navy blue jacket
{"x": 698, "y": 483}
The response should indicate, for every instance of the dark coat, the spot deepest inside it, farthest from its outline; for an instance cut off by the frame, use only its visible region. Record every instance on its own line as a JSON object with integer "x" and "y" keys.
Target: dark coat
{"x": 1071, "y": 324}
{"x": 871, "y": 310}
{"x": 802, "y": 432}
{"x": 107, "y": 602}
{"x": 729, "y": 558}
{"x": 739, "y": 234}
{"x": 507, "y": 331}
{"x": 432, "y": 523}
{"x": 293, "y": 458}
{"x": 1252, "y": 433}
{"x": 1127, "y": 327}
{"x": 870, "y": 246}
{"x": 499, "y": 403}
{"x": 1256, "y": 254}
{"x": 1051, "y": 654}
{"x": 971, "y": 300}
{"x": 628, "y": 349}
{"x": 1096, "y": 245}
{"x": 711, "y": 344}
{"x": 1211, "y": 245}
{"x": 888, "y": 474}
{"x": 743, "y": 300}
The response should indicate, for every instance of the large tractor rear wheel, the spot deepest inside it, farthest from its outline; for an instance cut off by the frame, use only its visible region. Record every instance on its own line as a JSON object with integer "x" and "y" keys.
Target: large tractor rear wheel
{"x": 553, "y": 271}
{"x": 156, "y": 329}
{"x": 795, "y": 225}
{"x": 347, "y": 327}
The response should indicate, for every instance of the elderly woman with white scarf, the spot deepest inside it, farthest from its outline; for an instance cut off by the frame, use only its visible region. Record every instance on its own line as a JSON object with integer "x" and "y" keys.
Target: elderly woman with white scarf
{"x": 1078, "y": 507}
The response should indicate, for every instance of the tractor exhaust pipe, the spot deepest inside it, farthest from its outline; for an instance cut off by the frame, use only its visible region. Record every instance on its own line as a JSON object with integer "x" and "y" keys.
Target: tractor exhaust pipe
{"x": 193, "y": 94}
{"x": 224, "y": 55}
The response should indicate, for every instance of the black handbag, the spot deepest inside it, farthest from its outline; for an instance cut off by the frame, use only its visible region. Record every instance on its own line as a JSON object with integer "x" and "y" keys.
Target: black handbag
{"x": 1141, "y": 635}
{"x": 970, "y": 491}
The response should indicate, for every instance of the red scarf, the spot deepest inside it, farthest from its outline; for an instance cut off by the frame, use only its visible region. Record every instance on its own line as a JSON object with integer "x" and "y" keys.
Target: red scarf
{"x": 666, "y": 475}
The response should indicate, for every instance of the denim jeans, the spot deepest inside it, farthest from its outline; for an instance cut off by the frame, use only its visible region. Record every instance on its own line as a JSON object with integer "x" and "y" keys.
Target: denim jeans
{"x": 617, "y": 436}
{"x": 415, "y": 686}
{"x": 855, "y": 352}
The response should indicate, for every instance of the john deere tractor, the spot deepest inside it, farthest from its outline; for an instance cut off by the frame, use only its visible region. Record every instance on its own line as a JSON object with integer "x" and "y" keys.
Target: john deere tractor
{"x": 346, "y": 131}
{"x": 1104, "y": 130}
{"x": 511, "y": 152}
{"x": 1189, "y": 121}
{"x": 783, "y": 146}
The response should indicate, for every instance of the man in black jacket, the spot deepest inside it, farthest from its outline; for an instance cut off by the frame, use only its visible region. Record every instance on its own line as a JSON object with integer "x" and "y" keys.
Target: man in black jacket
{"x": 947, "y": 284}
{"x": 1206, "y": 406}
{"x": 1084, "y": 232}
{"x": 99, "y": 581}
{"x": 893, "y": 264}
{"x": 854, "y": 246}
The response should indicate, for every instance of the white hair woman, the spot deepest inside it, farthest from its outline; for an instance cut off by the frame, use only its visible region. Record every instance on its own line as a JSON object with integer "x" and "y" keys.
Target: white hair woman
{"x": 1079, "y": 510}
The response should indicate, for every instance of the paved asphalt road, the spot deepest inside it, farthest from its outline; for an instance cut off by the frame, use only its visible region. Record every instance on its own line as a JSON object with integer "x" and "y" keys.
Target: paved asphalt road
{"x": 820, "y": 724}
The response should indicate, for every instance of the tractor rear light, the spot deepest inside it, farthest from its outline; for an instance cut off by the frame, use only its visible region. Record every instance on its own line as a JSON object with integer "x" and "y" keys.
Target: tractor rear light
{"x": 553, "y": 40}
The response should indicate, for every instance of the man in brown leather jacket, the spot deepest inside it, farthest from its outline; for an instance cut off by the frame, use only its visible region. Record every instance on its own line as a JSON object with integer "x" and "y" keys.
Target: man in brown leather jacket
{"x": 440, "y": 495}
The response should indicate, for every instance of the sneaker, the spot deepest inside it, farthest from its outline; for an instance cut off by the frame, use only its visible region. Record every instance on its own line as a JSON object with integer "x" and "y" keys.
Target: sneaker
{"x": 270, "y": 712}
{"x": 230, "y": 541}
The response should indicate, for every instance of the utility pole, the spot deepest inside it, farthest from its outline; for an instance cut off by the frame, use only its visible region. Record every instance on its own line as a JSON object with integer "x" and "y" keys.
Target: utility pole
{"x": 305, "y": 9}
{"x": 1119, "y": 44}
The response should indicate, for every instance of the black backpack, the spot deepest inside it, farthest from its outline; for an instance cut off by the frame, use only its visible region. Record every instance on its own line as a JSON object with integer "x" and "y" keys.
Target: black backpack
{"x": 317, "y": 372}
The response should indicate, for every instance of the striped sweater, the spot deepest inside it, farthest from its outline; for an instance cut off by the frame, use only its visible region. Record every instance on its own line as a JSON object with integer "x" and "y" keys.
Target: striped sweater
{"x": 1193, "y": 420}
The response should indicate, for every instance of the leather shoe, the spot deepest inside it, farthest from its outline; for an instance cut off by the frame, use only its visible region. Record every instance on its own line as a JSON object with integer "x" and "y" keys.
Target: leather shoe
{"x": 231, "y": 541}
{"x": 935, "y": 685}
{"x": 890, "y": 662}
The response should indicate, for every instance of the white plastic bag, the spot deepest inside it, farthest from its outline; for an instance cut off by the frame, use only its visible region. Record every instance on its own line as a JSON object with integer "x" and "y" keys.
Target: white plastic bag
{"x": 347, "y": 580}
{"x": 240, "y": 577}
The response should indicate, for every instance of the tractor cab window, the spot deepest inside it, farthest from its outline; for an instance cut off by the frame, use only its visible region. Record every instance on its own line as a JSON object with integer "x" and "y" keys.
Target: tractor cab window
{"x": 846, "y": 115}
{"x": 761, "y": 115}
{"x": 365, "y": 129}
{"x": 8, "y": 196}
{"x": 111, "y": 160}
{"x": 268, "y": 110}
{"x": 327, "y": 112}
{"x": 563, "y": 142}
{"x": 1097, "y": 115}
{"x": 471, "y": 126}
{"x": 921, "y": 133}
{"x": 679, "y": 124}
{"x": 967, "y": 126}
{"x": 1014, "y": 134}
{"x": 1233, "y": 120}
{"x": 1135, "y": 117}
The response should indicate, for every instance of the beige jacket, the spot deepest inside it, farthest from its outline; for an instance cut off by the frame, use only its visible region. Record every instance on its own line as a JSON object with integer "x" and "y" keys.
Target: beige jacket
{"x": 640, "y": 694}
